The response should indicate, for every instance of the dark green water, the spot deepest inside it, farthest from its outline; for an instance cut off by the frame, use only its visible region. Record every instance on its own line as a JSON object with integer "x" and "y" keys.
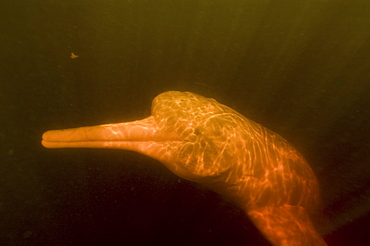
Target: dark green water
{"x": 300, "y": 68}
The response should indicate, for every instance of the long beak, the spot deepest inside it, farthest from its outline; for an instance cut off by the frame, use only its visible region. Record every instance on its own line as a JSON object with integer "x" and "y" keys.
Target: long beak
{"x": 140, "y": 136}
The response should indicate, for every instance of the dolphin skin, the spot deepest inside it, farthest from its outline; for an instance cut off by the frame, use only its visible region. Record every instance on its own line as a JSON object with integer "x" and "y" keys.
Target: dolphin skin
{"x": 206, "y": 142}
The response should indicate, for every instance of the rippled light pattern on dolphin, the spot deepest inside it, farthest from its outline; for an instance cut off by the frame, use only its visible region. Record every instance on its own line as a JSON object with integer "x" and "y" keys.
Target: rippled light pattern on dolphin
{"x": 209, "y": 143}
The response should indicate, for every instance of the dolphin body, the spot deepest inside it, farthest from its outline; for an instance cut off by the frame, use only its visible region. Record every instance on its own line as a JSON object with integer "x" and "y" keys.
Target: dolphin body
{"x": 204, "y": 141}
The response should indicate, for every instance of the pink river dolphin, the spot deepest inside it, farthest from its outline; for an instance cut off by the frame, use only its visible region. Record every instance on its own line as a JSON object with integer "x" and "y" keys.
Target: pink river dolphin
{"x": 206, "y": 142}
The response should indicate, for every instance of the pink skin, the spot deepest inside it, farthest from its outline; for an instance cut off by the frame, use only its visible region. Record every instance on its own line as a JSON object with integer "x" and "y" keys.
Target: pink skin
{"x": 204, "y": 141}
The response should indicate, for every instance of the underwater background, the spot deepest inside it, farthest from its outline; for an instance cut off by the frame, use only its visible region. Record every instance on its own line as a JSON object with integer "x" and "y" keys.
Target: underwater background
{"x": 299, "y": 67}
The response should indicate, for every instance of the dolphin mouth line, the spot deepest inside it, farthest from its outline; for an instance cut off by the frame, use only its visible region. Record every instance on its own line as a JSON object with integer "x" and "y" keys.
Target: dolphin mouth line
{"x": 108, "y": 143}
{"x": 115, "y": 140}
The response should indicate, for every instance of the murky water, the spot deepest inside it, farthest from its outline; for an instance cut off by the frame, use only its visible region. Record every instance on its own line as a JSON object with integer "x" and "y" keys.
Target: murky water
{"x": 299, "y": 68}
